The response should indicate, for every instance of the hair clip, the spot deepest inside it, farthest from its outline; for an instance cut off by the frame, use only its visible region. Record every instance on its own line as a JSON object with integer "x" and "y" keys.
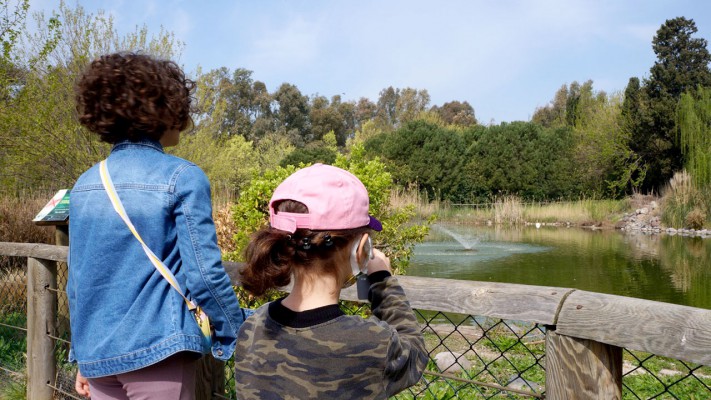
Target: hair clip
{"x": 327, "y": 240}
{"x": 306, "y": 243}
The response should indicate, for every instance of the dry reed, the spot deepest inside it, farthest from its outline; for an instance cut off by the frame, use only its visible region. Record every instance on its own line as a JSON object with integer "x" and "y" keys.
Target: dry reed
{"x": 508, "y": 210}
{"x": 683, "y": 203}
{"x": 225, "y": 227}
{"x": 16, "y": 225}
{"x": 400, "y": 198}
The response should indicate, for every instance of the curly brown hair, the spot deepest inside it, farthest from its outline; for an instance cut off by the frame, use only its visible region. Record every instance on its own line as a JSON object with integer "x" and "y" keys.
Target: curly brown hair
{"x": 133, "y": 96}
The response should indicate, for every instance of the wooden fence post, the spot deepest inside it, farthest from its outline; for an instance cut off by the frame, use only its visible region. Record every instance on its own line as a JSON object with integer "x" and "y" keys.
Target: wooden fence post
{"x": 582, "y": 369}
{"x": 41, "y": 322}
{"x": 210, "y": 378}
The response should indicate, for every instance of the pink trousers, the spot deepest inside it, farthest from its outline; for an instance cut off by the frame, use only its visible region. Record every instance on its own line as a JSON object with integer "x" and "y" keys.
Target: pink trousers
{"x": 170, "y": 379}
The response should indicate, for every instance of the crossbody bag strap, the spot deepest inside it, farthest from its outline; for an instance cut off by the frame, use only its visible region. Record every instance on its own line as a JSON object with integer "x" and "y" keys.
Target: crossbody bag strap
{"x": 118, "y": 206}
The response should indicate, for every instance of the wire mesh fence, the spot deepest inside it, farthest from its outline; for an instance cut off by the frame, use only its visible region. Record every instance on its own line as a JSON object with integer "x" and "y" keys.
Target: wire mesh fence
{"x": 471, "y": 357}
{"x": 13, "y": 319}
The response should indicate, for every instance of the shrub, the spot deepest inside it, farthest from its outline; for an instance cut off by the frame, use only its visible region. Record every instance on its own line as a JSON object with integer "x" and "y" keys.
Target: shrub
{"x": 695, "y": 219}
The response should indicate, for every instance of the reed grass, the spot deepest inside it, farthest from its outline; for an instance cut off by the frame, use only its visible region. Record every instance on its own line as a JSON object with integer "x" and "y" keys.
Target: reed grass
{"x": 508, "y": 211}
{"x": 684, "y": 204}
{"x": 16, "y": 213}
{"x": 403, "y": 197}
{"x": 511, "y": 210}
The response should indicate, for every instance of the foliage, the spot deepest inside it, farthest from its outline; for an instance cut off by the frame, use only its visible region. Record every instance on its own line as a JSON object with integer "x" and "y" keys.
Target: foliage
{"x": 14, "y": 389}
{"x": 606, "y": 166}
{"x": 318, "y": 153}
{"x": 520, "y": 158}
{"x": 399, "y": 234}
{"x": 39, "y": 132}
{"x": 292, "y": 114}
{"x": 694, "y": 123}
{"x": 426, "y": 155}
{"x": 13, "y": 343}
{"x": 682, "y": 64}
{"x": 456, "y": 113}
{"x": 396, "y": 107}
{"x": 228, "y": 162}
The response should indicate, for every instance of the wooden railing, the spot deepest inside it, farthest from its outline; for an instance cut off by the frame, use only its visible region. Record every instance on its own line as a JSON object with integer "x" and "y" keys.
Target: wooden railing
{"x": 584, "y": 337}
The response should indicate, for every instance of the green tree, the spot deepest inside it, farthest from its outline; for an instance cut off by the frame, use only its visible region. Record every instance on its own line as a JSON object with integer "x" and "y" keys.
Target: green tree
{"x": 694, "y": 122}
{"x": 40, "y": 133}
{"x": 314, "y": 152}
{"x": 456, "y": 113}
{"x": 426, "y": 155}
{"x": 682, "y": 64}
{"x": 292, "y": 114}
{"x": 521, "y": 158}
{"x": 365, "y": 110}
{"x": 326, "y": 117}
{"x": 553, "y": 114}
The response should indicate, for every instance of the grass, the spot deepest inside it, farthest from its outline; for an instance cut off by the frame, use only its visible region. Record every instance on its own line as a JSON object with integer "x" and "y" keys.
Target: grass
{"x": 650, "y": 376}
{"x": 512, "y": 211}
{"x": 13, "y": 350}
{"x": 14, "y": 388}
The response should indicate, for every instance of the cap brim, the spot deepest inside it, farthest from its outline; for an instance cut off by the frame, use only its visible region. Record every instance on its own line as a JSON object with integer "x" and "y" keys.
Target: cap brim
{"x": 374, "y": 224}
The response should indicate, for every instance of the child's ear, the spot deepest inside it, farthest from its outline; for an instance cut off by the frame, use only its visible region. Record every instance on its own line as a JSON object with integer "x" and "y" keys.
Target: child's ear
{"x": 362, "y": 252}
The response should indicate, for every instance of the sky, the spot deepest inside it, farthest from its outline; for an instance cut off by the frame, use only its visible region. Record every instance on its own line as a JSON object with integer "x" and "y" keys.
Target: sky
{"x": 504, "y": 57}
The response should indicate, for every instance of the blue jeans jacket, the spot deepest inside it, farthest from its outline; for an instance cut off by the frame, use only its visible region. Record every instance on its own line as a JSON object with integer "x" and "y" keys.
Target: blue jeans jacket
{"x": 124, "y": 315}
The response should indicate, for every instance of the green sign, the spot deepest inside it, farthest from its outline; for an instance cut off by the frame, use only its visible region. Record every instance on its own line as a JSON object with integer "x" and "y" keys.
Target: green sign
{"x": 56, "y": 211}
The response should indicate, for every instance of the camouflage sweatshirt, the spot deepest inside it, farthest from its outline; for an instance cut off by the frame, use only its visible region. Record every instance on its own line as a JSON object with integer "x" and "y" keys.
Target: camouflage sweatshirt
{"x": 325, "y": 354}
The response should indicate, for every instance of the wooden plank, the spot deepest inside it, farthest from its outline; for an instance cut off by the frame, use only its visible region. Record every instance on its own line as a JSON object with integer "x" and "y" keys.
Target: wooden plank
{"x": 41, "y": 319}
{"x": 669, "y": 330}
{"x": 582, "y": 369}
{"x": 36, "y": 250}
{"x": 500, "y": 300}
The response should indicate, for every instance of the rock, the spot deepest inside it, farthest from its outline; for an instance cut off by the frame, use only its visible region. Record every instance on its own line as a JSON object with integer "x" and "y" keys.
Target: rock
{"x": 671, "y": 230}
{"x": 519, "y": 383}
{"x": 653, "y": 205}
{"x": 452, "y": 362}
{"x": 668, "y": 372}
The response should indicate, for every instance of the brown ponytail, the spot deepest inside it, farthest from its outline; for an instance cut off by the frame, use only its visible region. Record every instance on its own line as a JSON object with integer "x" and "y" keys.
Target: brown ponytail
{"x": 272, "y": 255}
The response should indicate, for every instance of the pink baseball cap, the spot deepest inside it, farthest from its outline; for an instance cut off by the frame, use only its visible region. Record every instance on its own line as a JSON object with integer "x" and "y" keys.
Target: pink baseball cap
{"x": 336, "y": 200}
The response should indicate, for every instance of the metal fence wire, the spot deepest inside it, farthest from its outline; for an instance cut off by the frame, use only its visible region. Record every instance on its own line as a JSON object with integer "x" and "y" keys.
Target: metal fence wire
{"x": 471, "y": 357}
{"x": 13, "y": 319}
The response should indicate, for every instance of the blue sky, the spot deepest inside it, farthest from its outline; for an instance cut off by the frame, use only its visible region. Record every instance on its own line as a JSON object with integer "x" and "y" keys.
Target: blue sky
{"x": 505, "y": 57}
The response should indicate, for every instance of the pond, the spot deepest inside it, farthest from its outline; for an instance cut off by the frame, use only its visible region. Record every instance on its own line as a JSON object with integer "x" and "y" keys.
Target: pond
{"x": 672, "y": 269}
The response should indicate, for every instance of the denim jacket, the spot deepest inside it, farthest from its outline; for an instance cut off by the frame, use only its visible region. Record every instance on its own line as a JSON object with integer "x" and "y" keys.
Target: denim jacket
{"x": 124, "y": 315}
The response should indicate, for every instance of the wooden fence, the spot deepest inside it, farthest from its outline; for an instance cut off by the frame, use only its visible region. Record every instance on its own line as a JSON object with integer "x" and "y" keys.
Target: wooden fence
{"x": 585, "y": 332}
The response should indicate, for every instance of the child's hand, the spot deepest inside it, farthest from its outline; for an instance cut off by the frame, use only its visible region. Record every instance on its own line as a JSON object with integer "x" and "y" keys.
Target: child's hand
{"x": 82, "y": 385}
{"x": 379, "y": 262}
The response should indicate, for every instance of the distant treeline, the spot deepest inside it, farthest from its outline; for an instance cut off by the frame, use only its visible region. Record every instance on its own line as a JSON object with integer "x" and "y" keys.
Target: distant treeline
{"x": 583, "y": 143}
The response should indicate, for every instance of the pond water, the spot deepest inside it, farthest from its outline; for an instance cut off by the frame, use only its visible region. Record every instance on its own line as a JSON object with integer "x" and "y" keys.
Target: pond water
{"x": 672, "y": 269}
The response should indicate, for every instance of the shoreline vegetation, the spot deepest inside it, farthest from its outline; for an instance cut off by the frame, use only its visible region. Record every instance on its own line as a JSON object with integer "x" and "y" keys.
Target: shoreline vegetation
{"x": 636, "y": 213}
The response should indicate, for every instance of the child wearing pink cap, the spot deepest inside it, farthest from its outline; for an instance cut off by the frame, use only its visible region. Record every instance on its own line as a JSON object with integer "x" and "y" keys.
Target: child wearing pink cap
{"x": 303, "y": 346}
